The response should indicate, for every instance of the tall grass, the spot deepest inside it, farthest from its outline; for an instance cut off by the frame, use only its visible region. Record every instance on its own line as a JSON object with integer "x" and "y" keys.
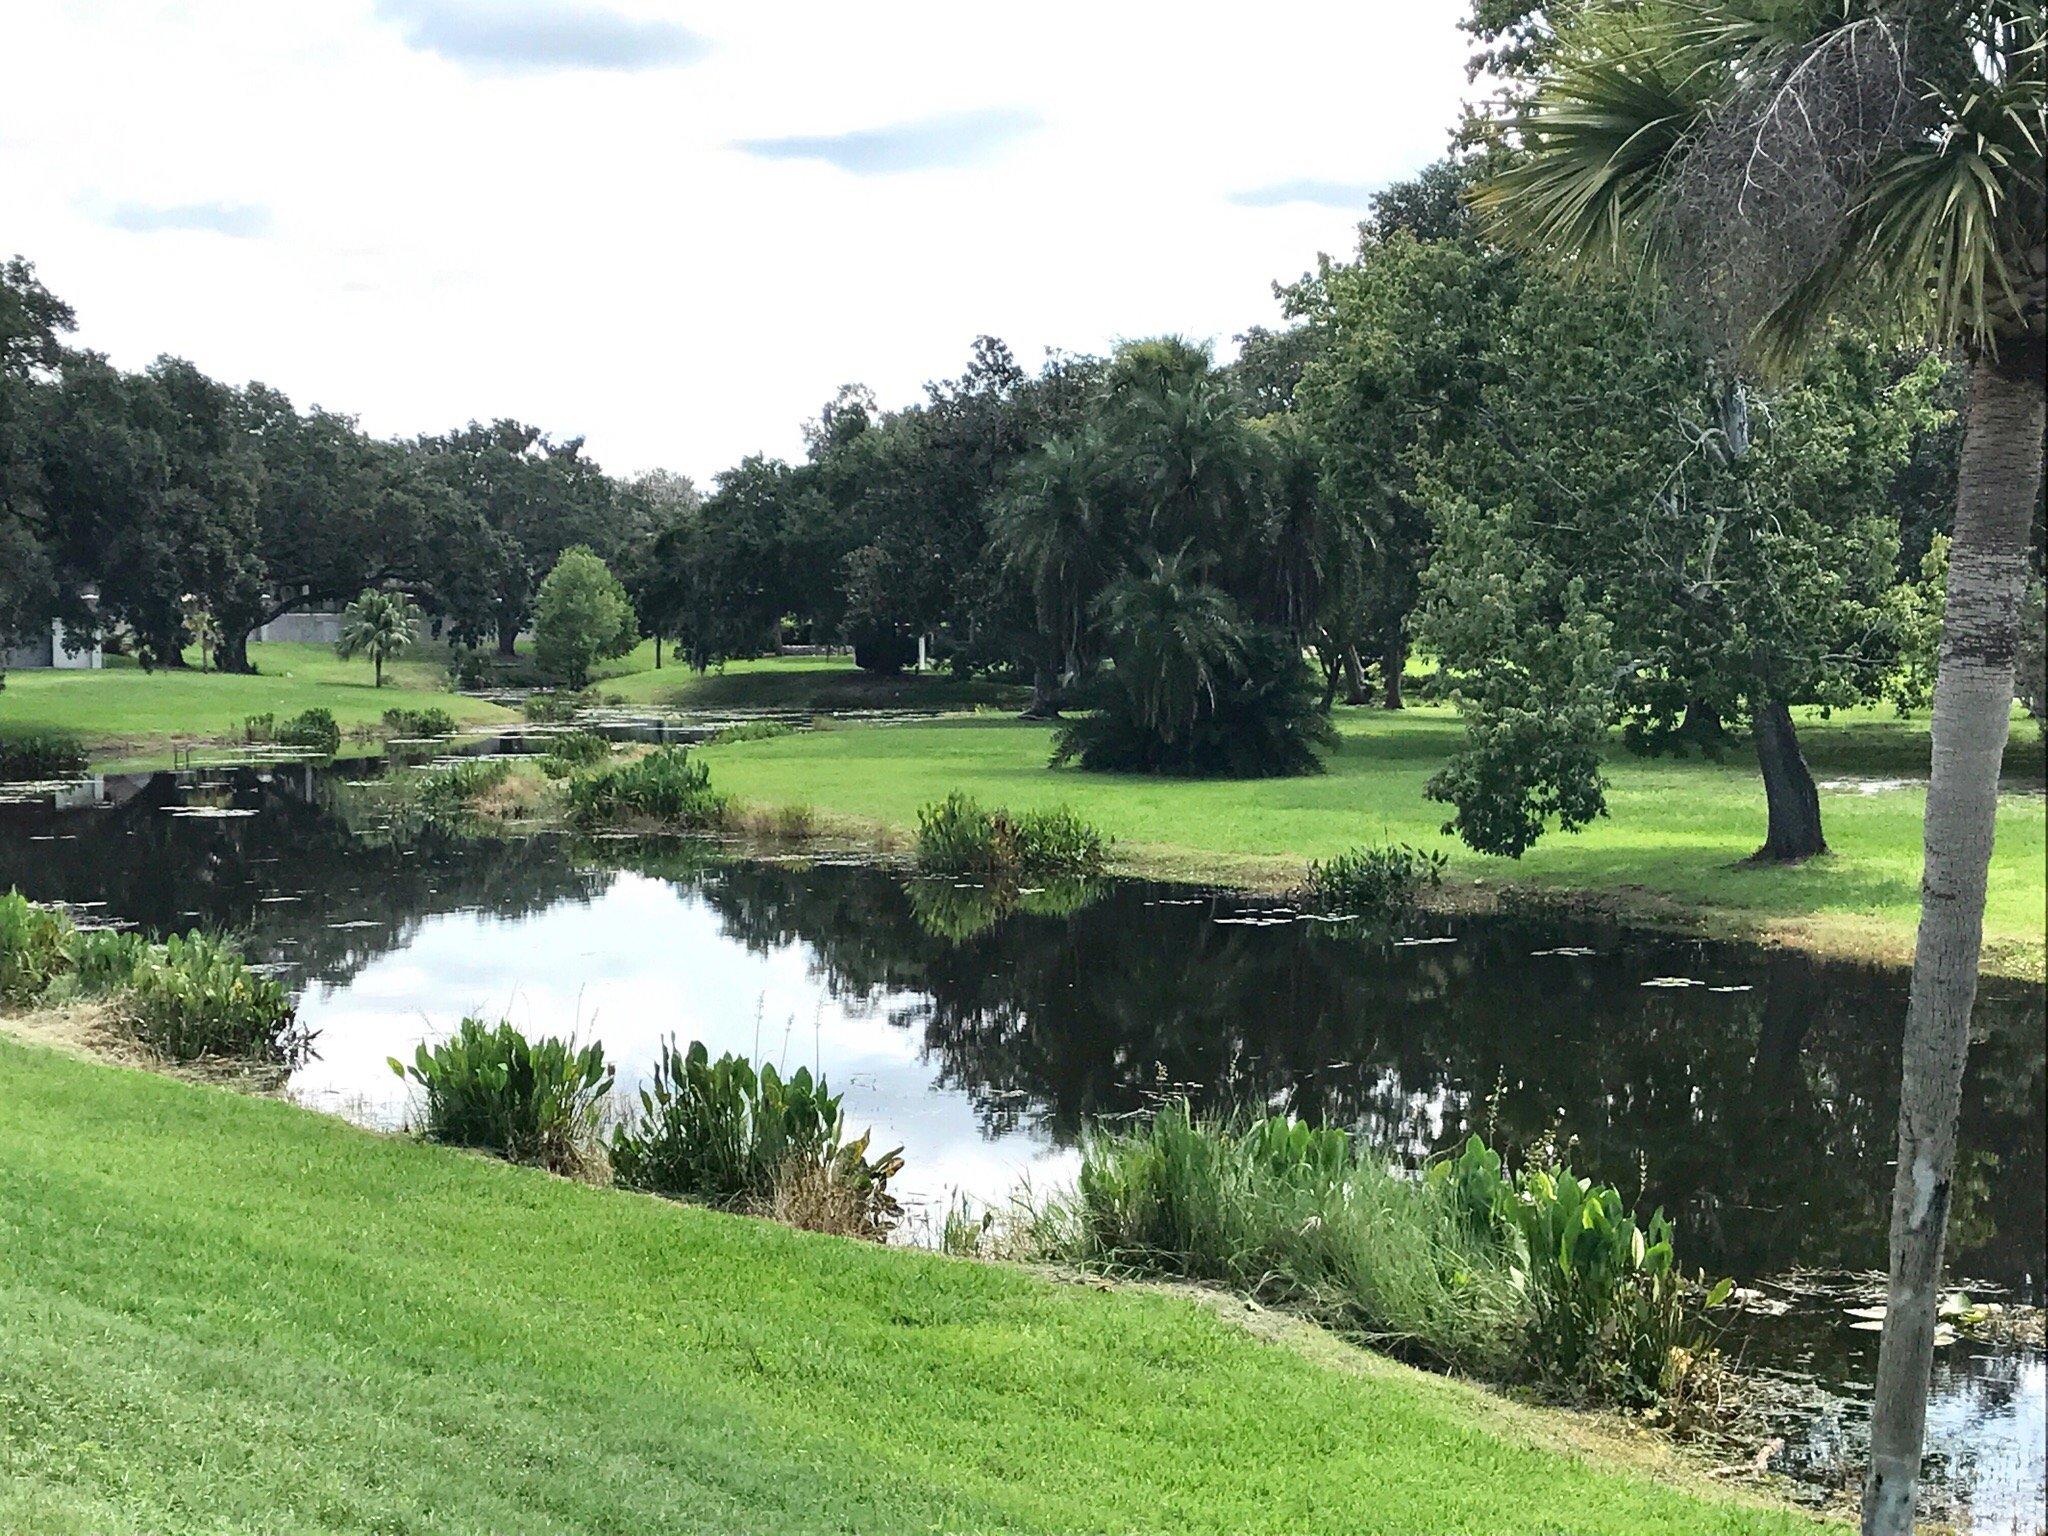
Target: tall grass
{"x": 726, "y": 1132}
{"x": 665, "y": 785}
{"x": 539, "y": 1101}
{"x": 958, "y": 836}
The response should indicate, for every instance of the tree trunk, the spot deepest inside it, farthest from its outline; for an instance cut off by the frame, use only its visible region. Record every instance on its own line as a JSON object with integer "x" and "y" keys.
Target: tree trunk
{"x": 1393, "y": 662}
{"x": 1789, "y": 795}
{"x": 657, "y": 650}
{"x": 377, "y": 668}
{"x": 1354, "y": 677}
{"x": 1045, "y": 695}
{"x": 508, "y": 633}
{"x": 1998, "y": 478}
{"x": 232, "y": 654}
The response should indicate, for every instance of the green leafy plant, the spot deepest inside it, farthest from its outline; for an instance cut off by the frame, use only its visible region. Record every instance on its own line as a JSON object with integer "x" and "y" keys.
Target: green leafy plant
{"x": 419, "y": 724}
{"x": 35, "y": 948}
{"x": 538, "y": 1102}
{"x": 378, "y": 625}
{"x": 581, "y": 614}
{"x": 196, "y": 997}
{"x": 312, "y": 729}
{"x": 725, "y": 1132}
{"x": 573, "y": 750}
{"x": 1379, "y": 881}
{"x": 447, "y": 790}
{"x": 552, "y": 706}
{"x": 958, "y": 836}
{"x": 749, "y": 730}
{"x": 39, "y": 755}
{"x": 108, "y": 959}
{"x": 260, "y": 729}
{"x": 665, "y": 785}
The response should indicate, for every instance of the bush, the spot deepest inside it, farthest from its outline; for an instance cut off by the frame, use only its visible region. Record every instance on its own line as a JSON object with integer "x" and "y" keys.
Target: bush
{"x": 1267, "y": 722}
{"x": 418, "y": 724}
{"x": 313, "y": 730}
{"x": 723, "y": 1132}
{"x": 665, "y": 785}
{"x": 538, "y": 1102}
{"x": 468, "y": 671}
{"x": 446, "y": 791}
{"x": 39, "y": 755}
{"x": 1303, "y": 1216}
{"x": 957, "y": 836}
{"x": 1379, "y": 881}
{"x": 260, "y": 729}
{"x": 195, "y": 998}
{"x": 572, "y": 750}
{"x": 749, "y": 730}
{"x": 552, "y": 707}
{"x": 581, "y": 614}
{"x": 107, "y": 959}
{"x": 36, "y": 945}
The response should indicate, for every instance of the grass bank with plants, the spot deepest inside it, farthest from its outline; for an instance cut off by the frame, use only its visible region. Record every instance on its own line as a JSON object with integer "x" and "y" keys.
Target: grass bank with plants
{"x": 1675, "y": 849}
{"x": 227, "y": 1312}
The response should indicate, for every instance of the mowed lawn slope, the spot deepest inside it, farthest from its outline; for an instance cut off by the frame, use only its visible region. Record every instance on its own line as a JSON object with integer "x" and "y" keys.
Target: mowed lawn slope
{"x": 1677, "y": 838}
{"x": 224, "y": 1314}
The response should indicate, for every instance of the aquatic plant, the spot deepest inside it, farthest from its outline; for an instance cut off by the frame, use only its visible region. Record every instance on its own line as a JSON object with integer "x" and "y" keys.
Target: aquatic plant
{"x": 195, "y": 997}
{"x": 749, "y": 730}
{"x": 259, "y": 730}
{"x": 1610, "y": 1314}
{"x": 958, "y": 836}
{"x": 552, "y": 706}
{"x": 108, "y": 959}
{"x": 666, "y": 785}
{"x": 419, "y": 724}
{"x": 1312, "y": 1218}
{"x": 1383, "y": 880}
{"x": 572, "y": 750}
{"x": 39, "y": 755}
{"x": 313, "y": 729}
{"x": 538, "y": 1102}
{"x": 728, "y": 1133}
{"x": 448, "y": 789}
{"x": 35, "y": 948}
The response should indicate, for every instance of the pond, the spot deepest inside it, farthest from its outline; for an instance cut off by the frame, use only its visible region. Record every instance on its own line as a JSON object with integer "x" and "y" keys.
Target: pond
{"x": 1750, "y": 1092}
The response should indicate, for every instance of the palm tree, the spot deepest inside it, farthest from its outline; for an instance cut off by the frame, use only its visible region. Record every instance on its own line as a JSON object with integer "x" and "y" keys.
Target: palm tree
{"x": 1050, "y": 529}
{"x": 1177, "y": 642}
{"x": 378, "y": 625}
{"x": 1784, "y": 163}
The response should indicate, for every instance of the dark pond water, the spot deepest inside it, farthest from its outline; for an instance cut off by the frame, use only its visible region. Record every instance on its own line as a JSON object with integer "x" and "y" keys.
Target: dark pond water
{"x": 1751, "y": 1093}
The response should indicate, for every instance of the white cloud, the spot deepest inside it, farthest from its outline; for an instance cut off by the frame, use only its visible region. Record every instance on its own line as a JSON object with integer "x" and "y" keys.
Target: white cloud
{"x": 431, "y": 235}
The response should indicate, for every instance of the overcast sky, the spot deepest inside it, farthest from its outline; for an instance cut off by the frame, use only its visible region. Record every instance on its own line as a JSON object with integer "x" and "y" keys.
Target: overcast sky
{"x": 676, "y": 228}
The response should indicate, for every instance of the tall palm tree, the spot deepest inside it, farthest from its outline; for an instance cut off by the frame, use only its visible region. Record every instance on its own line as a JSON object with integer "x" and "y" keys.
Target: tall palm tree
{"x": 1051, "y": 530}
{"x": 1790, "y": 162}
{"x": 1177, "y": 641}
{"x": 378, "y": 625}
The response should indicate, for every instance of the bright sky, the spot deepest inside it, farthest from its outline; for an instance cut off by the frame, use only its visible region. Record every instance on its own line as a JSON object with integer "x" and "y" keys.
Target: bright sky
{"x": 677, "y": 228}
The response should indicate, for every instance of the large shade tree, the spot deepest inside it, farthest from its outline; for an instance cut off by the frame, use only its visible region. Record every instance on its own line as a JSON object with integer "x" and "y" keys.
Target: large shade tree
{"x": 1789, "y": 163}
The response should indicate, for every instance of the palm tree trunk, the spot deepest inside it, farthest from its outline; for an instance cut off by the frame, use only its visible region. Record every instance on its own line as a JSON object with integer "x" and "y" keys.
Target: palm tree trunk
{"x": 1998, "y": 479}
{"x": 377, "y": 668}
{"x": 1790, "y": 798}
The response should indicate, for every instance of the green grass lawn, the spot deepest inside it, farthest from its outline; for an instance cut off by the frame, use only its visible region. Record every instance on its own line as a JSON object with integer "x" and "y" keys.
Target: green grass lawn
{"x": 794, "y": 682}
{"x": 122, "y": 712}
{"x": 1674, "y": 843}
{"x": 224, "y": 1314}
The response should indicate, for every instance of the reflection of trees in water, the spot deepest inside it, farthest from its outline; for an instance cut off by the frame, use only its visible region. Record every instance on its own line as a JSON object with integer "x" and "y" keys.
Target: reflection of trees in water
{"x": 1764, "y": 1119}
{"x": 170, "y": 873}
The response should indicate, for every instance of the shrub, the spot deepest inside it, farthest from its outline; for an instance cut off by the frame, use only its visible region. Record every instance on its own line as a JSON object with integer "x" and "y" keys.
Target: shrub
{"x": 314, "y": 730}
{"x": 552, "y": 707}
{"x": 723, "y": 1132}
{"x": 107, "y": 959}
{"x": 749, "y": 730}
{"x": 39, "y": 755}
{"x": 1381, "y": 881}
{"x": 536, "y": 1102}
{"x": 418, "y": 724}
{"x": 666, "y": 785}
{"x": 36, "y": 945}
{"x": 446, "y": 791}
{"x": 572, "y": 750}
{"x": 197, "y": 998}
{"x": 581, "y": 614}
{"x": 259, "y": 729}
{"x": 958, "y": 836}
{"x": 1610, "y": 1314}
{"x": 468, "y": 671}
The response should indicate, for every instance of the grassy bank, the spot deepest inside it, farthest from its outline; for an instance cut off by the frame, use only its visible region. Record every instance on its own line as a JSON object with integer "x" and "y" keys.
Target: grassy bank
{"x": 122, "y": 712}
{"x": 796, "y": 682}
{"x": 1673, "y": 848}
{"x": 229, "y": 1314}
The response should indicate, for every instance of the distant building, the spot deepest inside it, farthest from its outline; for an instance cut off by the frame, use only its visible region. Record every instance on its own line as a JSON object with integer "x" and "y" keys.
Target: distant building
{"x": 50, "y": 651}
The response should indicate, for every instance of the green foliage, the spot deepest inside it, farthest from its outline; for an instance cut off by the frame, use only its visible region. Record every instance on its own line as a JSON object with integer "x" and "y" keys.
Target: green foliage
{"x": 36, "y": 945}
{"x": 447, "y": 789}
{"x": 749, "y": 730}
{"x": 197, "y": 998}
{"x": 313, "y": 729}
{"x": 378, "y": 625}
{"x": 553, "y": 707}
{"x": 581, "y": 615}
{"x": 958, "y": 836}
{"x": 1381, "y": 881}
{"x": 260, "y": 729}
{"x": 108, "y": 959}
{"x": 724, "y": 1132}
{"x": 419, "y": 724}
{"x": 665, "y": 785}
{"x": 1610, "y": 1314}
{"x": 573, "y": 750}
{"x": 1310, "y": 1217}
{"x": 39, "y": 755}
{"x": 487, "y": 1086}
